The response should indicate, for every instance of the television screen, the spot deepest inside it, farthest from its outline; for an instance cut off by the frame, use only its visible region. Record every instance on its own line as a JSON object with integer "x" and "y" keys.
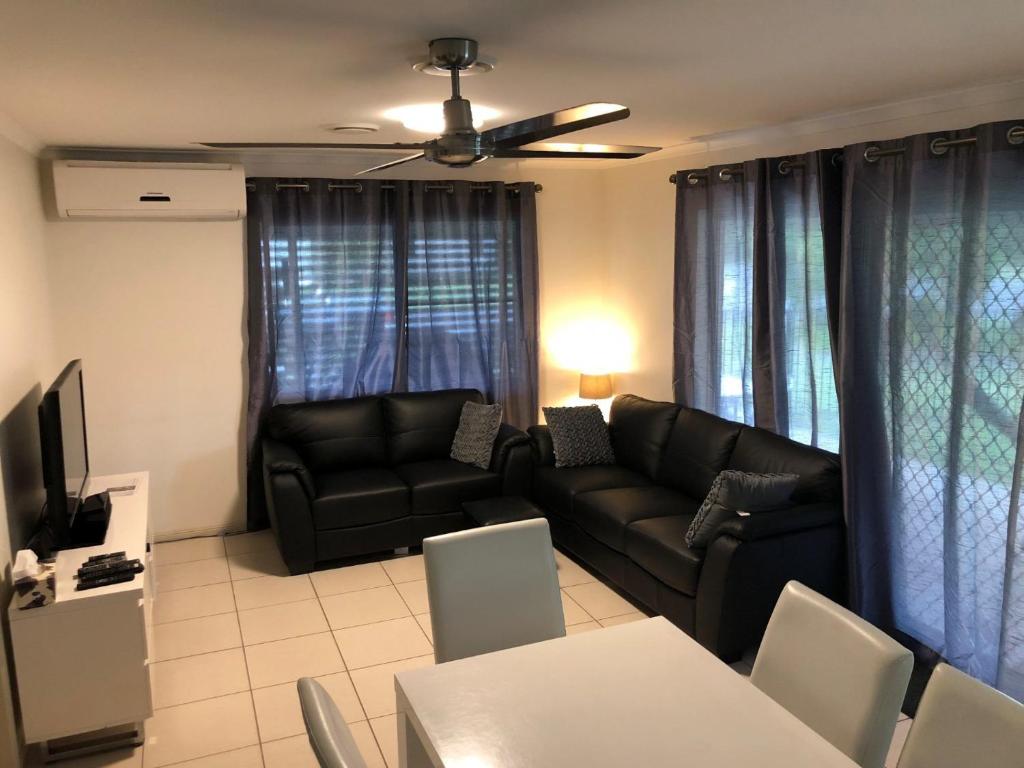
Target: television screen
{"x": 65, "y": 453}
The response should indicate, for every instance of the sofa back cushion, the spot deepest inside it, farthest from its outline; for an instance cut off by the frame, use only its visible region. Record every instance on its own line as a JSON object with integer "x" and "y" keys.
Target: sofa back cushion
{"x": 421, "y": 425}
{"x": 758, "y": 450}
{"x": 639, "y": 431}
{"x": 698, "y": 449}
{"x": 333, "y": 434}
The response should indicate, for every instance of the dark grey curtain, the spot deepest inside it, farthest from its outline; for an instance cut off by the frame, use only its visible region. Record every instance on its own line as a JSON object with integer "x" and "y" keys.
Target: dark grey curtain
{"x": 364, "y": 287}
{"x": 715, "y": 214}
{"x": 931, "y": 344}
{"x": 795, "y": 255}
{"x": 752, "y": 298}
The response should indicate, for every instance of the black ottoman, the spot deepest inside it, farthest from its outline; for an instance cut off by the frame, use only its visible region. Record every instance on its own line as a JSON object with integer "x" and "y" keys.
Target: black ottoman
{"x": 502, "y": 509}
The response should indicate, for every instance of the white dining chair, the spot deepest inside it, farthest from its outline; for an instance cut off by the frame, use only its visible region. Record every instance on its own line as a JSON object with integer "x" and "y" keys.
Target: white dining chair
{"x": 329, "y": 737}
{"x": 837, "y": 673}
{"x": 962, "y": 722}
{"x": 492, "y": 588}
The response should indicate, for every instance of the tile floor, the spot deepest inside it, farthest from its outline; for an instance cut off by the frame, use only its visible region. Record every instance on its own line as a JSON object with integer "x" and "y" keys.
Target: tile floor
{"x": 233, "y": 632}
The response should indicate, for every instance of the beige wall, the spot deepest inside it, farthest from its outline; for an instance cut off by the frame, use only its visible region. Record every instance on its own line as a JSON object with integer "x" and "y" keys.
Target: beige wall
{"x": 25, "y": 341}
{"x": 154, "y": 309}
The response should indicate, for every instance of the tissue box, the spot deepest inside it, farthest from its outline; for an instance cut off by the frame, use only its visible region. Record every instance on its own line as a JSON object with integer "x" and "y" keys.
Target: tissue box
{"x": 39, "y": 590}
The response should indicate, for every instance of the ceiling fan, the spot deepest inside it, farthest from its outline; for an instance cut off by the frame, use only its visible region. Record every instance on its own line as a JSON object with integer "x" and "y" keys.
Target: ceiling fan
{"x": 461, "y": 145}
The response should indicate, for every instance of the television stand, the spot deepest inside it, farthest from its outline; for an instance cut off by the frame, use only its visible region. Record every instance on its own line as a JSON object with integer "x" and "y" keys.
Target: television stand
{"x": 82, "y": 661}
{"x": 89, "y": 528}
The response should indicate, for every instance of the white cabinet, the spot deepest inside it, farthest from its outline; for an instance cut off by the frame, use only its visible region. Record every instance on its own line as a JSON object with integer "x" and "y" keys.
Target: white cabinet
{"x": 82, "y": 662}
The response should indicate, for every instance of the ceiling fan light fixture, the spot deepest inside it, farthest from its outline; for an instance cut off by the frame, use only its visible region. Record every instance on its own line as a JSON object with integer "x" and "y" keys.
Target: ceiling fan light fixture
{"x": 429, "y": 118}
{"x": 428, "y": 67}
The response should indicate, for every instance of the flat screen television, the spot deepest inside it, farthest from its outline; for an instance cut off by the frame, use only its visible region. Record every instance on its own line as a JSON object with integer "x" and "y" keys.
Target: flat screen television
{"x": 65, "y": 454}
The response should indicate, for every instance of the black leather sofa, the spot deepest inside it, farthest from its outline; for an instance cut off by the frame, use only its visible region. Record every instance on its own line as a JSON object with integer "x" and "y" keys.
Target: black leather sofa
{"x": 628, "y": 521}
{"x": 368, "y": 474}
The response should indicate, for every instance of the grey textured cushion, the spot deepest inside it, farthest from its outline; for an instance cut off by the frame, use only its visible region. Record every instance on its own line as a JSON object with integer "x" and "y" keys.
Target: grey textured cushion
{"x": 474, "y": 439}
{"x": 579, "y": 435}
{"x": 734, "y": 491}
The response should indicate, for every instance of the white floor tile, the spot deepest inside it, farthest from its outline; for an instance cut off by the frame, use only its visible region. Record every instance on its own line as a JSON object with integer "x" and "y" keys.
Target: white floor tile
{"x": 295, "y": 752}
{"x": 193, "y": 636}
{"x": 193, "y": 603}
{"x": 572, "y": 611}
{"x": 278, "y": 622}
{"x": 424, "y": 621}
{"x": 415, "y": 595}
{"x": 192, "y": 574}
{"x": 279, "y": 715}
{"x": 623, "y": 619}
{"x": 199, "y": 729}
{"x": 401, "y": 569}
{"x": 349, "y": 579}
{"x": 899, "y": 738}
{"x": 584, "y": 627}
{"x": 382, "y": 642}
{"x": 193, "y": 678}
{"x": 386, "y": 731}
{"x": 366, "y": 606}
{"x": 247, "y": 757}
{"x": 284, "y": 661}
{"x": 188, "y": 550}
{"x": 599, "y": 601}
{"x": 258, "y": 562}
{"x": 569, "y": 573}
{"x": 376, "y": 685}
{"x": 236, "y": 544}
{"x": 272, "y": 590}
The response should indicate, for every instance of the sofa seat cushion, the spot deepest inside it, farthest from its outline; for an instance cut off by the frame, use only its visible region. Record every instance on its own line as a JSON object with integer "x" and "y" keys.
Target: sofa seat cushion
{"x": 658, "y": 545}
{"x": 359, "y": 497}
{"x": 555, "y": 488}
{"x": 443, "y": 485}
{"x": 606, "y": 514}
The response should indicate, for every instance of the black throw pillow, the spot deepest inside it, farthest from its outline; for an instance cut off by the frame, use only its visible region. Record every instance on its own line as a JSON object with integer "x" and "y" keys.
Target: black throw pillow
{"x": 733, "y": 492}
{"x": 579, "y": 436}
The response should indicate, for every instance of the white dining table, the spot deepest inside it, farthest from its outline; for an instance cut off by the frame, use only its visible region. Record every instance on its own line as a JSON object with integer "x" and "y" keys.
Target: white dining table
{"x": 637, "y": 694}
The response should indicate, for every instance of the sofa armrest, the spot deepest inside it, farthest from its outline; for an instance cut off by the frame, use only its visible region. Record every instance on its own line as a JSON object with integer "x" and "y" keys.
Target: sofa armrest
{"x": 762, "y": 525}
{"x": 741, "y": 578}
{"x": 508, "y": 437}
{"x": 543, "y": 448}
{"x": 281, "y": 459}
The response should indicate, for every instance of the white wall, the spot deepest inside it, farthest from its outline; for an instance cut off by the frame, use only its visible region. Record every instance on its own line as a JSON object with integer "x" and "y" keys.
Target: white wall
{"x": 155, "y": 311}
{"x": 25, "y": 361}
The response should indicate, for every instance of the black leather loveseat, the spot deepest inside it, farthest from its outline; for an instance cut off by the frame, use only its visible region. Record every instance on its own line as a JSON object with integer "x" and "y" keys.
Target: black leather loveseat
{"x": 629, "y": 520}
{"x": 368, "y": 474}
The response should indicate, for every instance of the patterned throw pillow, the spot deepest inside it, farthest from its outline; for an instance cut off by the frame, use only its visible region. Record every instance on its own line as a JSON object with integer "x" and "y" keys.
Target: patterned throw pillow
{"x": 733, "y": 492}
{"x": 474, "y": 439}
{"x": 579, "y": 436}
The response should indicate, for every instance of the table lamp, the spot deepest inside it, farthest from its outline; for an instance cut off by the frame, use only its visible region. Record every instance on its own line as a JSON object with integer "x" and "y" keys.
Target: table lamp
{"x": 595, "y": 386}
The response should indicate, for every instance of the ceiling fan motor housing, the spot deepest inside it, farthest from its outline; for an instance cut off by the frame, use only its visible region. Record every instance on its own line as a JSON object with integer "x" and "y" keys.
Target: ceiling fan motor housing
{"x": 453, "y": 52}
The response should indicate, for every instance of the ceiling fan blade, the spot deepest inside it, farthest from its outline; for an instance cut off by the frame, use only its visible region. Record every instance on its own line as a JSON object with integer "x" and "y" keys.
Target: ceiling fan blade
{"x": 605, "y": 151}
{"x": 554, "y": 124}
{"x": 304, "y": 145}
{"x": 393, "y": 163}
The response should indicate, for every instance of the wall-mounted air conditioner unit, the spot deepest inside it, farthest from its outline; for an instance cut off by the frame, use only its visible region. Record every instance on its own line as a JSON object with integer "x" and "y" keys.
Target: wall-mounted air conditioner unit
{"x": 86, "y": 189}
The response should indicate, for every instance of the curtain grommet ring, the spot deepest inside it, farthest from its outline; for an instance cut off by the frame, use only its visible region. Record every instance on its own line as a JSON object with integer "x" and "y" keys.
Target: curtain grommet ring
{"x": 693, "y": 179}
{"x": 725, "y": 174}
{"x": 785, "y": 166}
{"x": 938, "y": 146}
{"x": 871, "y": 154}
{"x": 1015, "y": 135}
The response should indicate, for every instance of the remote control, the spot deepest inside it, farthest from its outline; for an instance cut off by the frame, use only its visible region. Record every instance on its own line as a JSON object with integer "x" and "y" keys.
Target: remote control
{"x": 107, "y": 568}
{"x": 106, "y": 581}
{"x": 111, "y": 556}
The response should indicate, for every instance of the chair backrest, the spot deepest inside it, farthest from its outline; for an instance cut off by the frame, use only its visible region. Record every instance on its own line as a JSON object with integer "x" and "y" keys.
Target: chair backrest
{"x": 492, "y": 588}
{"x": 329, "y": 737}
{"x": 836, "y": 672}
{"x": 962, "y": 722}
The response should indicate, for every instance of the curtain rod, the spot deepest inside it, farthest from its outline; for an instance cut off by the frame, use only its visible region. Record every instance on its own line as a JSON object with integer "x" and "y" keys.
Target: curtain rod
{"x": 938, "y": 147}
{"x": 358, "y": 187}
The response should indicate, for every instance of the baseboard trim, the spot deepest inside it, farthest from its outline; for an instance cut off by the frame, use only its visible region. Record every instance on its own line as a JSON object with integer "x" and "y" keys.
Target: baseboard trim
{"x": 191, "y": 533}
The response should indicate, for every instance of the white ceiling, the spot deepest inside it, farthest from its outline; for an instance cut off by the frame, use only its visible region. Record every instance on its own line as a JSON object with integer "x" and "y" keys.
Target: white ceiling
{"x": 168, "y": 73}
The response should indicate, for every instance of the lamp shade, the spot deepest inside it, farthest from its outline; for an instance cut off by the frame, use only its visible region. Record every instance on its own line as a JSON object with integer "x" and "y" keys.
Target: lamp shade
{"x": 595, "y": 386}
